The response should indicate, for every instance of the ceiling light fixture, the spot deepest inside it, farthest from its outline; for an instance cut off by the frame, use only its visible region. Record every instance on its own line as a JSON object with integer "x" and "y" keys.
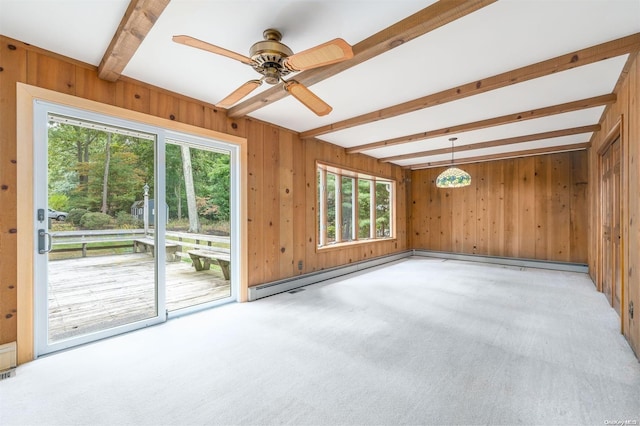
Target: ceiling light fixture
{"x": 453, "y": 177}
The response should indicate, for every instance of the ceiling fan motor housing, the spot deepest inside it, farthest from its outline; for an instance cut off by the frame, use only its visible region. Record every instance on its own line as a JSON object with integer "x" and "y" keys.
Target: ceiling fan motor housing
{"x": 268, "y": 56}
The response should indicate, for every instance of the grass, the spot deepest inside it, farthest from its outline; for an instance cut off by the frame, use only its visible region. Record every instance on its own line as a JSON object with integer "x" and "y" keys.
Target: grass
{"x": 222, "y": 228}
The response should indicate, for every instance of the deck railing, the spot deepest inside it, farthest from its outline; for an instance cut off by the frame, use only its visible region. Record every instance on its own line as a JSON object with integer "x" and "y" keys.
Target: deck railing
{"x": 104, "y": 239}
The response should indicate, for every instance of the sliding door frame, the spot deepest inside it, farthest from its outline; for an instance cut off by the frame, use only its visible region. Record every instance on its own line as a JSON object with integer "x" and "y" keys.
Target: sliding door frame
{"x": 42, "y": 111}
{"x": 26, "y": 97}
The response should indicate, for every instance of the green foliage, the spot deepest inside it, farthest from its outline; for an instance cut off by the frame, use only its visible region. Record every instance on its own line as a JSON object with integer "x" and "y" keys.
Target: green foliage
{"x": 95, "y": 221}
{"x": 219, "y": 176}
{"x": 75, "y": 215}
{"x": 58, "y": 202}
{"x": 126, "y": 220}
{"x": 382, "y": 207}
{"x": 77, "y": 165}
{"x": 211, "y": 179}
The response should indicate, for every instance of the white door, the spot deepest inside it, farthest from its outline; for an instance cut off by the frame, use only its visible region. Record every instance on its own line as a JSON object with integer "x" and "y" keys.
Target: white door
{"x": 97, "y": 270}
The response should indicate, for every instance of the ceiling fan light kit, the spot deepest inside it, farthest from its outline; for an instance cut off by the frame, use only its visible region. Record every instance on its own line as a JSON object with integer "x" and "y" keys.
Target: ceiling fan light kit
{"x": 274, "y": 60}
{"x": 453, "y": 177}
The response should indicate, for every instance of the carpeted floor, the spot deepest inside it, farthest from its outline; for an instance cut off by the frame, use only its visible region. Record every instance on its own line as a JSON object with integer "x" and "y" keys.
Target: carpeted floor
{"x": 420, "y": 341}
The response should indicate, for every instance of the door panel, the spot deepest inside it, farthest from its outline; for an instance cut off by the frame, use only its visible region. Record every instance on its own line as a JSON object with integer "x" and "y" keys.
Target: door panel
{"x": 198, "y": 184}
{"x": 616, "y": 209}
{"x": 611, "y": 211}
{"x": 90, "y": 281}
{"x": 606, "y": 271}
{"x": 105, "y": 263}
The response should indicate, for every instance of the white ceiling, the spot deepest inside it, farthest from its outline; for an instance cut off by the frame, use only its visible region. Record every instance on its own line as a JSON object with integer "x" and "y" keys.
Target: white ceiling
{"x": 500, "y": 37}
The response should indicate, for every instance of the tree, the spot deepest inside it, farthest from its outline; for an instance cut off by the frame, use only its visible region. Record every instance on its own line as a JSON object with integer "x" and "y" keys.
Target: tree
{"x": 194, "y": 221}
{"x": 174, "y": 180}
{"x": 105, "y": 179}
{"x": 97, "y": 170}
{"x": 219, "y": 179}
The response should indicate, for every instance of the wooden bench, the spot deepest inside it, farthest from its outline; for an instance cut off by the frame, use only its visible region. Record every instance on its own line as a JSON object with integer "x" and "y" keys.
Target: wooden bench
{"x": 202, "y": 260}
{"x": 146, "y": 245}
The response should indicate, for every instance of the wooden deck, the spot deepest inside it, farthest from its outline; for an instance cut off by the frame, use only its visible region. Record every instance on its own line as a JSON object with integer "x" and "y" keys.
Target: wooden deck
{"x": 95, "y": 293}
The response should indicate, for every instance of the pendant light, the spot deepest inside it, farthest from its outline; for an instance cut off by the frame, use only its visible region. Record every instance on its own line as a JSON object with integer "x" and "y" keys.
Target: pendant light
{"x": 453, "y": 177}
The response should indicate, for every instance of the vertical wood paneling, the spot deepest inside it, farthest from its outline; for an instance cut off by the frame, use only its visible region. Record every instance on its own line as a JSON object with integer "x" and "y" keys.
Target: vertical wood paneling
{"x": 469, "y": 208}
{"x": 310, "y": 212}
{"x": 495, "y": 210}
{"x": 526, "y": 210}
{"x": 133, "y": 96}
{"x": 511, "y": 206}
{"x": 299, "y": 206}
{"x": 88, "y": 86}
{"x": 49, "y": 72}
{"x": 445, "y": 217}
{"x": 164, "y": 105}
{"x": 285, "y": 194}
{"x": 255, "y": 189}
{"x": 514, "y": 208}
{"x": 270, "y": 204}
{"x": 214, "y": 119}
{"x": 482, "y": 208}
{"x": 418, "y": 211}
{"x": 14, "y": 68}
{"x": 559, "y": 236}
{"x": 191, "y": 113}
{"x": 458, "y": 220}
{"x": 433, "y": 214}
{"x": 542, "y": 214}
{"x": 579, "y": 197}
{"x": 632, "y": 237}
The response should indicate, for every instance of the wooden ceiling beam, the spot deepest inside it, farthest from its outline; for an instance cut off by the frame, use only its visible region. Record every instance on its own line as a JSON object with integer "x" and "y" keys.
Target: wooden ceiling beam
{"x": 497, "y": 142}
{"x": 134, "y": 27}
{"x": 491, "y": 122}
{"x": 504, "y": 156}
{"x": 575, "y": 59}
{"x": 416, "y": 25}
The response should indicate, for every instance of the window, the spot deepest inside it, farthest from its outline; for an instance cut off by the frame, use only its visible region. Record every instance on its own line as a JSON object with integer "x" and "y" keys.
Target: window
{"x": 353, "y": 206}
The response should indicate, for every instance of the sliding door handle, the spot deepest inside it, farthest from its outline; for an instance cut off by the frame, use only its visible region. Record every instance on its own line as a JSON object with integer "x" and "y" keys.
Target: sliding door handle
{"x": 42, "y": 235}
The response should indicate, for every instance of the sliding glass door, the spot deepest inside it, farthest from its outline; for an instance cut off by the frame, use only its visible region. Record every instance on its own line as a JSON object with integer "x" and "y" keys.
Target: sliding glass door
{"x": 133, "y": 223}
{"x": 198, "y": 188}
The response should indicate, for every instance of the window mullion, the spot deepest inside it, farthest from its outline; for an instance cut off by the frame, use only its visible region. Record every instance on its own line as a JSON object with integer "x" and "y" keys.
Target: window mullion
{"x": 355, "y": 202}
{"x": 323, "y": 207}
{"x": 372, "y": 209}
{"x": 338, "y": 188}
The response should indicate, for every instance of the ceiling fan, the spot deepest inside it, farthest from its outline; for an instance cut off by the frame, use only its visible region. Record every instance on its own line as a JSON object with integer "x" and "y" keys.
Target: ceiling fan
{"x": 274, "y": 60}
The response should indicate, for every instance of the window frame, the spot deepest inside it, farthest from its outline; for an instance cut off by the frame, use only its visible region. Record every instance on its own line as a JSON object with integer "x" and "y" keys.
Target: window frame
{"x": 321, "y": 217}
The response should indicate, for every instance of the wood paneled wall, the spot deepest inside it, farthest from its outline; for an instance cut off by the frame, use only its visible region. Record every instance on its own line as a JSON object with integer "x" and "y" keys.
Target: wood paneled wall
{"x": 626, "y": 111}
{"x": 533, "y": 208}
{"x": 281, "y": 171}
{"x": 282, "y": 205}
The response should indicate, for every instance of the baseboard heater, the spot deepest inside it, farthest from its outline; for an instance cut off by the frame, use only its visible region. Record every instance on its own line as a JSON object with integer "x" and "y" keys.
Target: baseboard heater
{"x": 7, "y": 360}
{"x": 508, "y": 261}
{"x": 288, "y": 284}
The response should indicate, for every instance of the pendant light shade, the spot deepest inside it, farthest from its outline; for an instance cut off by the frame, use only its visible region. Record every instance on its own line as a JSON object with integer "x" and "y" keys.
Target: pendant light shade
{"x": 453, "y": 177}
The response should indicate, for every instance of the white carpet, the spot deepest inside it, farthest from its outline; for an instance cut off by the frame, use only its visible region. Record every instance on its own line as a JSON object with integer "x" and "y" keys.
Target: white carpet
{"x": 421, "y": 341}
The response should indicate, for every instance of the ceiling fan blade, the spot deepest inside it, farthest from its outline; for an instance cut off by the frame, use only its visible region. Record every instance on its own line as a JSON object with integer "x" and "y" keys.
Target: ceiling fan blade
{"x": 194, "y": 42}
{"x": 239, "y": 93}
{"x": 333, "y": 51}
{"x": 307, "y": 97}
